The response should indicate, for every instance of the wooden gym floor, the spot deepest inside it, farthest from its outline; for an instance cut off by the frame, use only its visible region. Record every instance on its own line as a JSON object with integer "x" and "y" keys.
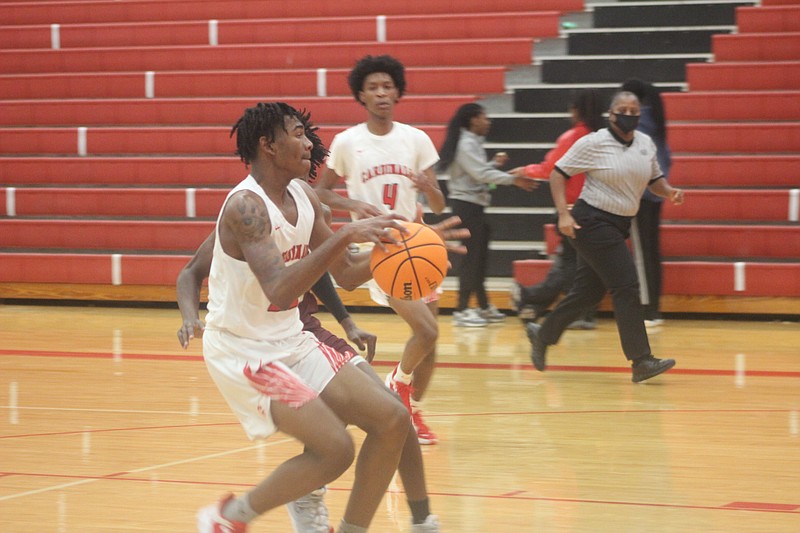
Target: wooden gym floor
{"x": 107, "y": 425}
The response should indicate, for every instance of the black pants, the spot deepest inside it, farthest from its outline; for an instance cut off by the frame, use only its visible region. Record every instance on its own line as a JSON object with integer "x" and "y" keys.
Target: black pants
{"x": 472, "y": 271}
{"x": 559, "y": 280}
{"x": 648, "y": 221}
{"x": 604, "y": 264}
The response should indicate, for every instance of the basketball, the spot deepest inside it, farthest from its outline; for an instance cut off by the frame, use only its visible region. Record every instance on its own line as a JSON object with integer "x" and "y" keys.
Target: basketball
{"x": 412, "y": 269}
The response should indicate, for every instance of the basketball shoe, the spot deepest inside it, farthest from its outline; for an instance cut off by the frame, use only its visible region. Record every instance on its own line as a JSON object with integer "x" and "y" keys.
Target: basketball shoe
{"x": 210, "y": 520}
{"x": 404, "y": 390}
{"x": 309, "y": 513}
{"x": 492, "y": 314}
{"x": 470, "y": 318}
{"x": 424, "y": 433}
{"x": 430, "y": 525}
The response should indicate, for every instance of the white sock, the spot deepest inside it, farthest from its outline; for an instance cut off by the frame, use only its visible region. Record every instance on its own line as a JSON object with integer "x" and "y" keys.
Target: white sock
{"x": 239, "y": 510}
{"x": 402, "y": 377}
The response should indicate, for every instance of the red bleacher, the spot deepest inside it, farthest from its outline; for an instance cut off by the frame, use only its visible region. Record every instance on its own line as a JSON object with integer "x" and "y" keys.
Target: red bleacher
{"x": 114, "y": 126}
{"x": 717, "y": 240}
{"x": 693, "y": 278}
{"x": 98, "y": 11}
{"x": 735, "y": 170}
{"x": 189, "y": 171}
{"x": 734, "y": 105}
{"x": 207, "y": 111}
{"x": 735, "y": 138}
{"x": 251, "y": 83}
{"x": 277, "y": 30}
{"x": 509, "y": 51}
{"x": 768, "y": 19}
{"x": 179, "y": 140}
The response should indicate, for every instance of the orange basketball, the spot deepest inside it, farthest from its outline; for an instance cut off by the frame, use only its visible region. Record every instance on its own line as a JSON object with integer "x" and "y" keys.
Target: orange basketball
{"x": 415, "y": 267}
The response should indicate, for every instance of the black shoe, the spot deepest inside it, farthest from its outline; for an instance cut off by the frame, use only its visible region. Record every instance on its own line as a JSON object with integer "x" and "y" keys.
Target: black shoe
{"x": 539, "y": 348}
{"x": 649, "y": 367}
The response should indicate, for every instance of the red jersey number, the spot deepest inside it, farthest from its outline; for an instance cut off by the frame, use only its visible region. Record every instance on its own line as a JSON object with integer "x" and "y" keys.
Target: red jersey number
{"x": 390, "y": 195}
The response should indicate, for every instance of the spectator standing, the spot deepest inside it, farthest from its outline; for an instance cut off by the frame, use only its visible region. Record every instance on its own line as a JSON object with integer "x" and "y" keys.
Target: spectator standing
{"x": 463, "y": 156}
{"x": 646, "y": 231}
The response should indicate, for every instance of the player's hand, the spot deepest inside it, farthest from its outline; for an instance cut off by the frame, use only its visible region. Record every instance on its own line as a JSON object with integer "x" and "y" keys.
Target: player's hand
{"x": 189, "y": 330}
{"x": 525, "y": 183}
{"x": 447, "y": 230}
{"x": 363, "y": 339}
{"x": 518, "y": 172}
{"x": 364, "y": 210}
{"x": 423, "y": 182}
{"x": 567, "y": 225}
{"x": 375, "y": 229}
{"x": 676, "y": 196}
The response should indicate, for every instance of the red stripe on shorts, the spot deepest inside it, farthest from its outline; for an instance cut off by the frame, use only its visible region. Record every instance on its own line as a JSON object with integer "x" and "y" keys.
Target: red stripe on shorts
{"x": 279, "y": 383}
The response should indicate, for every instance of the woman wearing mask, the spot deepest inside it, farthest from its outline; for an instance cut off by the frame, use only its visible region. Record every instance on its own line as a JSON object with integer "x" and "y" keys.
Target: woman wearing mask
{"x": 619, "y": 163}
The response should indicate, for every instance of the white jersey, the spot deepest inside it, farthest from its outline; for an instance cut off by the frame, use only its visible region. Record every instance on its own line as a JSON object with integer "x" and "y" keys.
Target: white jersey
{"x": 616, "y": 174}
{"x": 236, "y": 302}
{"x": 378, "y": 168}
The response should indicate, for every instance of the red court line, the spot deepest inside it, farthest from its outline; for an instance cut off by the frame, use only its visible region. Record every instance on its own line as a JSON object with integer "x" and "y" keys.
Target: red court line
{"x": 761, "y": 506}
{"x": 465, "y": 366}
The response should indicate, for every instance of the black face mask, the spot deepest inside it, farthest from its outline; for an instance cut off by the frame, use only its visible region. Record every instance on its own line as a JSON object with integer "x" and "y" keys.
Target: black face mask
{"x": 626, "y": 123}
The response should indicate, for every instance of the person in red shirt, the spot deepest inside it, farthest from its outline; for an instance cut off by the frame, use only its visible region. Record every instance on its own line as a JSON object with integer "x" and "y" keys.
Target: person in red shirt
{"x": 532, "y": 301}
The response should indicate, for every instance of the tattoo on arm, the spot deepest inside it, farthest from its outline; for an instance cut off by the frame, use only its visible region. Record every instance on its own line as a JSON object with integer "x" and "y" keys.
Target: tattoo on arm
{"x": 251, "y": 224}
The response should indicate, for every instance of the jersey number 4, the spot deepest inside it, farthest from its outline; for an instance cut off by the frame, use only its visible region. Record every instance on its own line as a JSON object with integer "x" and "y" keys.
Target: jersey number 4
{"x": 390, "y": 195}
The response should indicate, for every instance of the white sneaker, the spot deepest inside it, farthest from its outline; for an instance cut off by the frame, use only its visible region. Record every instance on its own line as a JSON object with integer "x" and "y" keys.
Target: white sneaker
{"x": 656, "y": 322}
{"x": 492, "y": 314}
{"x": 430, "y": 525}
{"x": 469, "y": 318}
{"x": 210, "y": 520}
{"x": 309, "y": 513}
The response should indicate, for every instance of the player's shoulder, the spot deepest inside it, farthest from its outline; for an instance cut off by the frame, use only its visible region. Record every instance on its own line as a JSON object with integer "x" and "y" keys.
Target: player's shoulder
{"x": 353, "y": 132}
{"x": 408, "y": 129}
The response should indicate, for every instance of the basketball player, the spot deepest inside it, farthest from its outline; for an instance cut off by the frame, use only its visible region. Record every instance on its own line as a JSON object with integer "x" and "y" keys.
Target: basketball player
{"x": 271, "y": 244}
{"x": 386, "y": 165}
{"x": 309, "y": 513}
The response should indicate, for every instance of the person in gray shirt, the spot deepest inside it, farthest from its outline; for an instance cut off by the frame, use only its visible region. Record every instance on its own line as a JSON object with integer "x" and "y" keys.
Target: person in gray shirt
{"x": 462, "y": 155}
{"x": 620, "y": 163}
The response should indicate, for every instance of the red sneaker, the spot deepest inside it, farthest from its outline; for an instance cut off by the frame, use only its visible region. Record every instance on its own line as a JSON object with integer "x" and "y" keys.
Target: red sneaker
{"x": 210, "y": 520}
{"x": 424, "y": 433}
{"x": 404, "y": 390}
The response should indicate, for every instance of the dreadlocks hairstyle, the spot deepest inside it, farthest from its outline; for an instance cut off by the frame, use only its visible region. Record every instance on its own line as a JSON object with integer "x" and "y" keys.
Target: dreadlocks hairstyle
{"x": 586, "y": 103}
{"x": 459, "y": 121}
{"x": 370, "y": 65}
{"x": 318, "y": 150}
{"x": 649, "y": 95}
{"x": 263, "y": 120}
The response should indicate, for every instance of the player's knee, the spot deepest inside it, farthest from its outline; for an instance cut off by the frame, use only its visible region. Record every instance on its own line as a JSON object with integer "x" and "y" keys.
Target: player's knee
{"x": 397, "y": 421}
{"x": 338, "y": 455}
{"x": 427, "y": 333}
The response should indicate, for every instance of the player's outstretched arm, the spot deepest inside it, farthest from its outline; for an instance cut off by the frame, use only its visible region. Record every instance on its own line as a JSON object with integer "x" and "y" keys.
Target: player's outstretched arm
{"x": 324, "y": 188}
{"x": 188, "y": 285}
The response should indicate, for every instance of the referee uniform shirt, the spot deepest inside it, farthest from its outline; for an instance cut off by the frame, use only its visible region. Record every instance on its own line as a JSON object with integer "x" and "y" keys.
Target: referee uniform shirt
{"x": 617, "y": 173}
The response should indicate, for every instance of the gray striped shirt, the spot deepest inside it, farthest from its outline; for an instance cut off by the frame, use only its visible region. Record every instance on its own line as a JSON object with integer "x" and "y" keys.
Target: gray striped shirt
{"x": 616, "y": 174}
